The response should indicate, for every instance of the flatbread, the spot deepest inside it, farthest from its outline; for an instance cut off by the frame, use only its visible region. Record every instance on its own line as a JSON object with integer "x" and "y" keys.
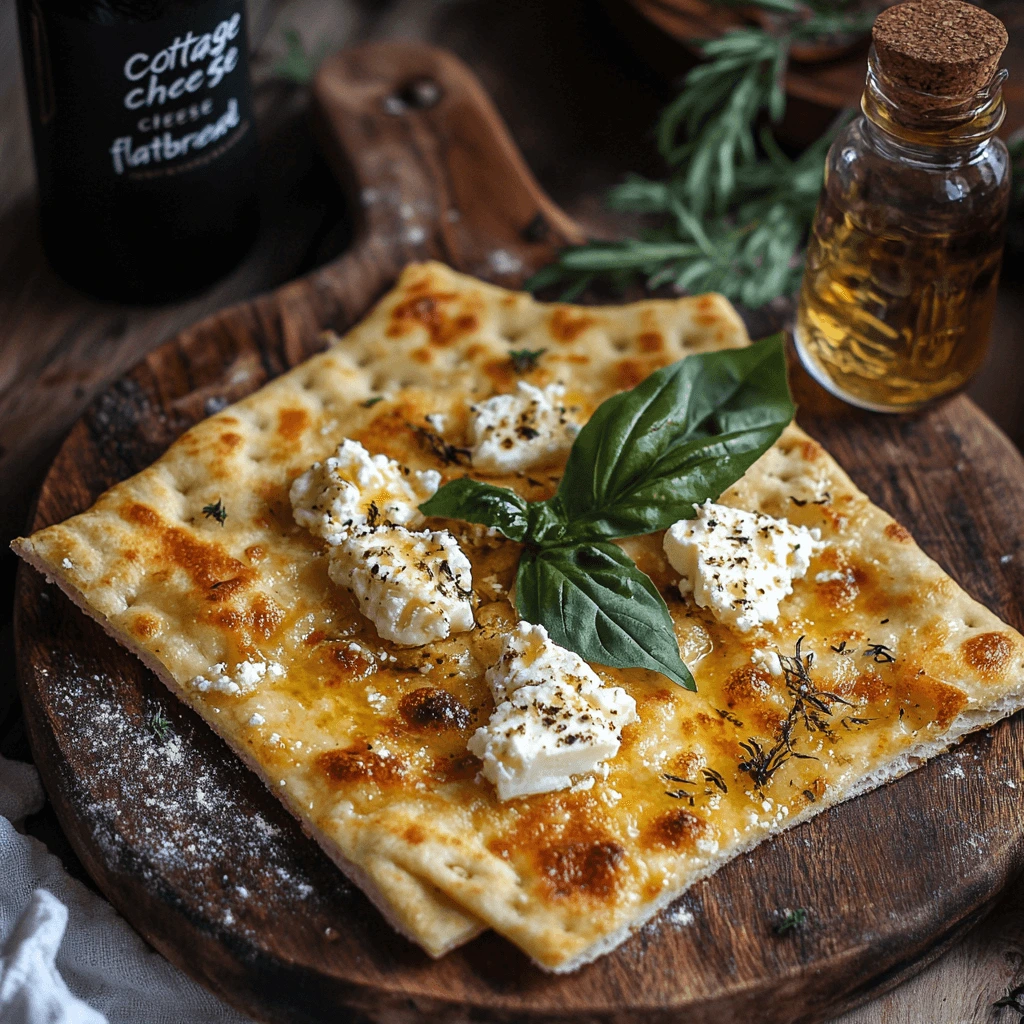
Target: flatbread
{"x": 349, "y": 734}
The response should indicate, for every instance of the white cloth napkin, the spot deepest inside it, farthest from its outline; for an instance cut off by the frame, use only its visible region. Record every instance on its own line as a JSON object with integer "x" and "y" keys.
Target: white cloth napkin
{"x": 102, "y": 971}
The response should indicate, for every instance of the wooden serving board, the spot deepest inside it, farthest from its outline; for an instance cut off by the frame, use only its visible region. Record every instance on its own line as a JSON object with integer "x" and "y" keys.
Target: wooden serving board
{"x": 207, "y": 865}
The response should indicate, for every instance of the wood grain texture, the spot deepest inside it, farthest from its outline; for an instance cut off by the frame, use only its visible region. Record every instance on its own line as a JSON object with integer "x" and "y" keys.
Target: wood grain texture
{"x": 213, "y": 871}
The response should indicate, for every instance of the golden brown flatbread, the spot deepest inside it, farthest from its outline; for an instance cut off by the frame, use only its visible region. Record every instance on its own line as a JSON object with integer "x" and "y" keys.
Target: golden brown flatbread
{"x": 365, "y": 741}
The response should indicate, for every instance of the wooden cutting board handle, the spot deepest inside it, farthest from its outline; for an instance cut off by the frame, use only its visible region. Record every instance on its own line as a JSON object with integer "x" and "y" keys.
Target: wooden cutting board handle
{"x": 431, "y": 172}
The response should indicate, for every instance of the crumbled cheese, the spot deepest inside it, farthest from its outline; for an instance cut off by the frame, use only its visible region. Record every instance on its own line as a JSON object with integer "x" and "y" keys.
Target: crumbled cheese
{"x": 519, "y": 431}
{"x": 554, "y": 718}
{"x": 739, "y": 564}
{"x": 353, "y": 488}
{"x": 831, "y": 575}
{"x": 767, "y": 660}
{"x": 244, "y": 678}
{"x": 68, "y": 564}
{"x": 414, "y": 587}
{"x": 257, "y": 719}
{"x": 376, "y": 699}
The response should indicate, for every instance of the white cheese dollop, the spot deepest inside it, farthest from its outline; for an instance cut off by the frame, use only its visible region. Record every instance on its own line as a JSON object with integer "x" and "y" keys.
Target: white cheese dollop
{"x": 515, "y": 432}
{"x": 739, "y": 564}
{"x": 414, "y": 587}
{"x": 335, "y": 496}
{"x": 554, "y": 717}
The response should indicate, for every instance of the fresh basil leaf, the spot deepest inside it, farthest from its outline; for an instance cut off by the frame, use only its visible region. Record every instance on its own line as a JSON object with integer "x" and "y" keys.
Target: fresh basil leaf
{"x": 593, "y": 600}
{"x": 477, "y": 502}
{"x": 547, "y": 523}
{"x": 683, "y": 435}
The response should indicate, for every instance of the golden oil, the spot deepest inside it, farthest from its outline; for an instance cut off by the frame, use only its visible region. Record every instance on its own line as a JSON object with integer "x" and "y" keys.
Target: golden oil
{"x": 899, "y": 289}
{"x": 893, "y": 320}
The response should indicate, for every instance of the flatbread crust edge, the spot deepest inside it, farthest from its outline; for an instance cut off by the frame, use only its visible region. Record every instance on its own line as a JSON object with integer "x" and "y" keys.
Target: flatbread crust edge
{"x": 429, "y": 918}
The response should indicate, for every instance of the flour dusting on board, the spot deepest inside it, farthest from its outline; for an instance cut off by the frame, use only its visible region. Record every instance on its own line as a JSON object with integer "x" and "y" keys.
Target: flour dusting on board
{"x": 168, "y": 812}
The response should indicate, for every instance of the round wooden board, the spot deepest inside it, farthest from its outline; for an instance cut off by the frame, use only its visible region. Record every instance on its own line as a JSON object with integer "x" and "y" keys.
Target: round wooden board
{"x": 207, "y": 865}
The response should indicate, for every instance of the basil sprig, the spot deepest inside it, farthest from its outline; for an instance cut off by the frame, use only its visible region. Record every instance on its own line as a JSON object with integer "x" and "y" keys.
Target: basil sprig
{"x": 643, "y": 460}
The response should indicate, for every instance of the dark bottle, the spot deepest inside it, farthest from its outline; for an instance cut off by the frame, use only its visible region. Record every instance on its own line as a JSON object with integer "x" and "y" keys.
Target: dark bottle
{"x": 144, "y": 141}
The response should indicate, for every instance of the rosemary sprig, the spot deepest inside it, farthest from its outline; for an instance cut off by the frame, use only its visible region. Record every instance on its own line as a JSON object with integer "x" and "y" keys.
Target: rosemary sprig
{"x": 734, "y": 211}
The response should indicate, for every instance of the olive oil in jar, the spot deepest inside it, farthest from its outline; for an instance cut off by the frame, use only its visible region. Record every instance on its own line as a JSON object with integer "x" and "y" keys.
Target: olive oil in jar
{"x": 903, "y": 261}
{"x": 894, "y": 320}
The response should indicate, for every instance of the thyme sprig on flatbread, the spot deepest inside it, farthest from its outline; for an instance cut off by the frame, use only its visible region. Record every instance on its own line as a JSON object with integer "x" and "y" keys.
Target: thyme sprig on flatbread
{"x": 812, "y": 708}
{"x": 642, "y": 462}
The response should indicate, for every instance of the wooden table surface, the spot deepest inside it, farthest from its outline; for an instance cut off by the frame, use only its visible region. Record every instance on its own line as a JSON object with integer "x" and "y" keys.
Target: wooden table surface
{"x": 577, "y": 101}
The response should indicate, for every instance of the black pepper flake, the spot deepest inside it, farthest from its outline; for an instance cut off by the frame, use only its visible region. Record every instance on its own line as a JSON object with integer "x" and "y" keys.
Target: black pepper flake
{"x": 880, "y": 653}
{"x": 729, "y": 716}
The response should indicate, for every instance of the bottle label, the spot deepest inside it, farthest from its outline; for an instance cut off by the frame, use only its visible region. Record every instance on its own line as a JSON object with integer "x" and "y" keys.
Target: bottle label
{"x": 138, "y": 102}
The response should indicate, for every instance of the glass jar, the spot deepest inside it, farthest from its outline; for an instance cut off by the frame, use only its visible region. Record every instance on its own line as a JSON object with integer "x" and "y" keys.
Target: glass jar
{"x": 903, "y": 261}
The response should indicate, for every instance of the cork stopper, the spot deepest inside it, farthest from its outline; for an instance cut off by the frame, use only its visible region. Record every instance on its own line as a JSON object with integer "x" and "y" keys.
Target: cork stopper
{"x": 947, "y": 49}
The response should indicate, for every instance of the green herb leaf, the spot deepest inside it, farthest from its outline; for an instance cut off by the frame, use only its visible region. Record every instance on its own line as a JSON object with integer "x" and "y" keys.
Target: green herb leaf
{"x": 298, "y": 65}
{"x": 160, "y": 725}
{"x": 733, "y": 213}
{"x": 593, "y": 600}
{"x": 643, "y": 460}
{"x": 477, "y": 502}
{"x": 683, "y": 435}
{"x": 216, "y": 511}
{"x": 524, "y": 360}
{"x": 789, "y": 920}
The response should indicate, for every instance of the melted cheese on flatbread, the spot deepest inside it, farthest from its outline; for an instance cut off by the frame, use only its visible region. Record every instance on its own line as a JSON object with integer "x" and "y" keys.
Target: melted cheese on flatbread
{"x": 365, "y": 742}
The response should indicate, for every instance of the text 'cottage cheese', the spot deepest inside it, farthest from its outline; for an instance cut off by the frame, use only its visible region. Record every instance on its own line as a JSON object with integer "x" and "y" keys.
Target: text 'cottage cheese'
{"x": 554, "y": 717}
{"x": 416, "y": 587}
{"x": 528, "y": 428}
{"x": 739, "y": 564}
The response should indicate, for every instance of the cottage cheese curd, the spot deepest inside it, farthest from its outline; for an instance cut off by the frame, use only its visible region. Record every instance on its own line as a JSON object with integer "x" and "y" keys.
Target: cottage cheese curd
{"x": 554, "y": 718}
{"x": 414, "y": 587}
{"x": 739, "y": 564}
{"x": 354, "y": 488}
{"x": 528, "y": 428}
